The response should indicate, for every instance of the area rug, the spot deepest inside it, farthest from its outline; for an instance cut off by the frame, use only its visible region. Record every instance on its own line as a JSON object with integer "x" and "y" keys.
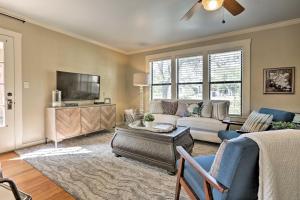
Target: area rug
{"x": 86, "y": 168}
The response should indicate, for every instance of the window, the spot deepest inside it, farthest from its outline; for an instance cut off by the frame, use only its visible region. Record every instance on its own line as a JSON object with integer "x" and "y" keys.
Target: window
{"x": 190, "y": 77}
{"x": 225, "y": 75}
{"x": 216, "y": 72}
{"x": 161, "y": 79}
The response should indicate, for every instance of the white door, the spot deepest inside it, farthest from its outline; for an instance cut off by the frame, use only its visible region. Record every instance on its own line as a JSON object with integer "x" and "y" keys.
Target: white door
{"x": 7, "y": 93}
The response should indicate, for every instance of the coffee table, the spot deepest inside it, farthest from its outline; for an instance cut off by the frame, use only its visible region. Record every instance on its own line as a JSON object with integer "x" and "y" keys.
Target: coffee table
{"x": 158, "y": 149}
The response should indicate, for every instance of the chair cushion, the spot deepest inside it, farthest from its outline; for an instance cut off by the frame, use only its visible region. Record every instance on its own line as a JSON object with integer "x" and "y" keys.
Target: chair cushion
{"x": 202, "y": 123}
{"x": 162, "y": 118}
{"x": 228, "y": 135}
{"x": 194, "y": 180}
{"x": 278, "y": 115}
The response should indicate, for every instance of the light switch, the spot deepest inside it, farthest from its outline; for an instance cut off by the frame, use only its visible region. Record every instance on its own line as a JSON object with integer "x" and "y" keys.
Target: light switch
{"x": 26, "y": 85}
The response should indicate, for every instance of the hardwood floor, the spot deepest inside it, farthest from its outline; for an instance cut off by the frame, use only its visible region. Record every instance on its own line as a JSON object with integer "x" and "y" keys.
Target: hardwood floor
{"x": 30, "y": 180}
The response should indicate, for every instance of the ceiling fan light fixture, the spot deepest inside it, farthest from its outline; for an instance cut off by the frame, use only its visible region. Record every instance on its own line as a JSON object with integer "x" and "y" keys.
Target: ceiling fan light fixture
{"x": 211, "y": 5}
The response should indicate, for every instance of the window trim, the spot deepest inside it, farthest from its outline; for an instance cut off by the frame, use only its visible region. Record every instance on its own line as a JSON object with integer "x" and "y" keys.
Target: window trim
{"x": 245, "y": 45}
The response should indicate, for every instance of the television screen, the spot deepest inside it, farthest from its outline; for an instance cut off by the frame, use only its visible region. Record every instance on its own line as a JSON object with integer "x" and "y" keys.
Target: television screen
{"x": 75, "y": 87}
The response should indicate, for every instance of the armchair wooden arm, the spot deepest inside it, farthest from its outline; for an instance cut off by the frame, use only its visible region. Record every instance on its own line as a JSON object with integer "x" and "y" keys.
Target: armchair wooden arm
{"x": 208, "y": 180}
{"x": 13, "y": 187}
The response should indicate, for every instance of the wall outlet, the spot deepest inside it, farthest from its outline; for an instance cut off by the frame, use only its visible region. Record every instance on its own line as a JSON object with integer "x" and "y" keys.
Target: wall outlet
{"x": 26, "y": 85}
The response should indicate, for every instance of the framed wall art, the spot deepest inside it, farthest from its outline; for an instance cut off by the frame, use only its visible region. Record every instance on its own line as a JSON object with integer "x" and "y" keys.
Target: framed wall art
{"x": 279, "y": 80}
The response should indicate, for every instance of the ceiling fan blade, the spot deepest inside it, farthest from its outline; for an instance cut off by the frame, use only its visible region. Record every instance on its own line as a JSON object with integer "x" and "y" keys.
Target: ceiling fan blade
{"x": 192, "y": 11}
{"x": 233, "y": 7}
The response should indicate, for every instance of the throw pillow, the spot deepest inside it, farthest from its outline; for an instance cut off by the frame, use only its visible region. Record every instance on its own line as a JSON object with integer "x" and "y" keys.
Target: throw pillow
{"x": 156, "y": 107}
{"x": 169, "y": 107}
{"x": 257, "y": 122}
{"x": 182, "y": 109}
{"x": 214, "y": 170}
{"x": 220, "y": 110}
{"x": 206, "y": 110}
{"x": 194, "y": 109}
{"x": 129, "y": 116}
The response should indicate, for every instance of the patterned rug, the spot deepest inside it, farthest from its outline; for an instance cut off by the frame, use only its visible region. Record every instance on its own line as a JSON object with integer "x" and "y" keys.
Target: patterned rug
{"x": 87, "y": 169}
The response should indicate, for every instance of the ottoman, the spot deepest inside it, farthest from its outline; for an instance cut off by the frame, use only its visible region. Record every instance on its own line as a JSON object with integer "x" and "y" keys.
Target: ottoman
{"x": 158, "y": 149}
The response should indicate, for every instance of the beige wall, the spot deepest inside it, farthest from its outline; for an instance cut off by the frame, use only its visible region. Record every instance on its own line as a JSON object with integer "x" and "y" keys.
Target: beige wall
{"x": 270, "y": 48}
{"x": 46, "y": 51}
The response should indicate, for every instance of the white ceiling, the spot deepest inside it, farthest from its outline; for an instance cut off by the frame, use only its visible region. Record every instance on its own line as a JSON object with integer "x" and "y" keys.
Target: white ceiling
{"x": 132, "y": 25}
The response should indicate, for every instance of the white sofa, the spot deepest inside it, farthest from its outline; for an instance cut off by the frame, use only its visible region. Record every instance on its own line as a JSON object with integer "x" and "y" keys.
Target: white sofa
{"x": 205, "y": 129}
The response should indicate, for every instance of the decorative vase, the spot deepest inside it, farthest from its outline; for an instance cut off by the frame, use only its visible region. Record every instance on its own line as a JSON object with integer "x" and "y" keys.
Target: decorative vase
{"x": 148, "y": 124}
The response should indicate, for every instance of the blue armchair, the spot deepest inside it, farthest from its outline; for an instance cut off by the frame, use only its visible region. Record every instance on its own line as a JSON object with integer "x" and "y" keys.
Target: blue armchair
{"x": 237, "y": 177}
{"x": 278, "y": 115}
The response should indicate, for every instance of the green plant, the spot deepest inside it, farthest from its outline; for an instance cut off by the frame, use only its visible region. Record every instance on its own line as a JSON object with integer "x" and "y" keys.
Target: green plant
{"x": 283, "y": 125}
{"x": 149, "y": 117}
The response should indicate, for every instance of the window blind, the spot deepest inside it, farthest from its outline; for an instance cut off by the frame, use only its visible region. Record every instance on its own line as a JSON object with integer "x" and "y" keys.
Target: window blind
{"x": 161, "y": 79}
{"x": 190, "y": 77}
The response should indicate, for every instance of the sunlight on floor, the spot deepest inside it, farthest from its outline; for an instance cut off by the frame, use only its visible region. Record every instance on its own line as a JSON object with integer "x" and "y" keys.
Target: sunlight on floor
{"x": 54, "y": 152}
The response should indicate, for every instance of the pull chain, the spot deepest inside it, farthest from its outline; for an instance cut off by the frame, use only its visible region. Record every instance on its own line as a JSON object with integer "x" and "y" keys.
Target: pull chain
{"x": 223, "y": 21}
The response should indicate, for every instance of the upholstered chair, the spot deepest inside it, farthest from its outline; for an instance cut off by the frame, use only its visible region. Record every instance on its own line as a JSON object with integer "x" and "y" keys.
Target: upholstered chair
{"x": 237, "y": 176}
{"x": 278, "y": 115}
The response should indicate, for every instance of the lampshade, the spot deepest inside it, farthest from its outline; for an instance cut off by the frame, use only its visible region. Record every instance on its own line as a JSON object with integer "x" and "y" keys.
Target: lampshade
{"x": 140, "y": 79}
{"x": 212, "y": 5}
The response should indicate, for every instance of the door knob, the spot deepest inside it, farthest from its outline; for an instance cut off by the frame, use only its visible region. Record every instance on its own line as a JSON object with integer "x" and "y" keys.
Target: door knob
{"x": 9, "y": 104}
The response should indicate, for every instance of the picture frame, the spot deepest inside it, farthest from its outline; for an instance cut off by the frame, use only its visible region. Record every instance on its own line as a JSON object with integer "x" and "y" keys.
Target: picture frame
{"x": 107, "y": 100}
{"x": 279, "y": 80}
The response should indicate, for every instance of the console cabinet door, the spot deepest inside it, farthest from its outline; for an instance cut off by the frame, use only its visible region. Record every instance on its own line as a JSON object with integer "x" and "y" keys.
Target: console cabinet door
{"x": 67, "y": 122}
{"x": 90, "y": 119}
{"x": 108, "y": 117}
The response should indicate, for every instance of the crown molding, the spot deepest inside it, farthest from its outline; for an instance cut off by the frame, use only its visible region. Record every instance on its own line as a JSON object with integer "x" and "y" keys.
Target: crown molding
{"x": 73, "y": 35}
{"x": 222, "y": 35}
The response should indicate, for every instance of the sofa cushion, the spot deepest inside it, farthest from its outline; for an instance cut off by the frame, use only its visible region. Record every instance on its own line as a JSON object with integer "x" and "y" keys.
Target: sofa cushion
{"x": 194, "y": 109}
{"x": 162, "y": 118}
{"x": 156, "y": 107}
{"x": 278, "y": 115}
{"x": 257, "y": 122}
{"x": 206, "y": 110}
{"x": 220, "y": 110}
{"x": 201, "y": 123}
{"x": 193, "y": 178}
{"x": 228, "y": 135}
{"x": 169, "y": 107}
{"x": 182, "y": 109}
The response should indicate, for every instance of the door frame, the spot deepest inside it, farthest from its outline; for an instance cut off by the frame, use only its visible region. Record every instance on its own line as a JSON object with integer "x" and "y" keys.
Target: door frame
{"x": 17, "y": 48}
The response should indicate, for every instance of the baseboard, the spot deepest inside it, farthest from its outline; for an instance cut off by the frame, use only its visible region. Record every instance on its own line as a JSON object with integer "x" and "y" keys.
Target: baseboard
{"x": 29, "y": 144}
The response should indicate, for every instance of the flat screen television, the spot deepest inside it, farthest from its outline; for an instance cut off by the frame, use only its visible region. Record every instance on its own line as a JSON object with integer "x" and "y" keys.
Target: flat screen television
{"x": 76, "y": 87}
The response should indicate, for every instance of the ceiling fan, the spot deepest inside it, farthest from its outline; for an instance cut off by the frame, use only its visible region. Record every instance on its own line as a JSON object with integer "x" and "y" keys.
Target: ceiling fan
{"x": 211, "y": 5}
